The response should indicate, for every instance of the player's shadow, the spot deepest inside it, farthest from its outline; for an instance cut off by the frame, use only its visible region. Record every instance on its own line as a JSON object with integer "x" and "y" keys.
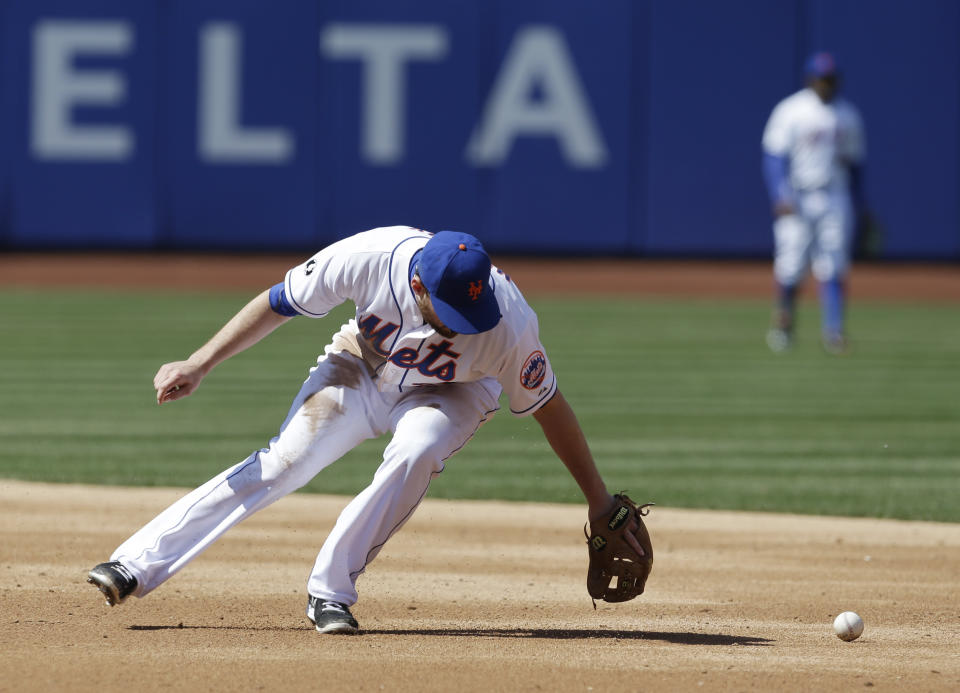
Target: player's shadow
{"x": 583, "y": 634}
{"x": 529, "y": 633}
{"x": 181, "y": 626}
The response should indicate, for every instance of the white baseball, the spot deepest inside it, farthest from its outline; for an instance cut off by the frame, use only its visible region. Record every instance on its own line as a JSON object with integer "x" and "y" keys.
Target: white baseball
{"x": 848, "y": 626}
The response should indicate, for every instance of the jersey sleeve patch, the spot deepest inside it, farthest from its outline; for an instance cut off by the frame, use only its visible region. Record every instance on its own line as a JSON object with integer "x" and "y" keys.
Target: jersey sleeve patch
{"x": 534, "y": 371}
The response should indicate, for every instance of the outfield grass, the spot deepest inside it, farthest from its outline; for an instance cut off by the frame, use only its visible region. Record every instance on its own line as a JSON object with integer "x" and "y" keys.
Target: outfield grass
{"x": 680, "y": 399}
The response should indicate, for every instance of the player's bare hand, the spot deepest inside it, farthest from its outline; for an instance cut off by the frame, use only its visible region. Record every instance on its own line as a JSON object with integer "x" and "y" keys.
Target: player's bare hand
{"x": 629, "y": 535}
{"x": 177, "y": 380}
{"x": 783, "y": 209}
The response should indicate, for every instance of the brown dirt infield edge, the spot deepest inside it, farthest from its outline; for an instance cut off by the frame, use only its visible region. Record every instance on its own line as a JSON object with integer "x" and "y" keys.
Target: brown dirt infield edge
{"x": 911, "y": 282}
{"x": 479, "y": 596}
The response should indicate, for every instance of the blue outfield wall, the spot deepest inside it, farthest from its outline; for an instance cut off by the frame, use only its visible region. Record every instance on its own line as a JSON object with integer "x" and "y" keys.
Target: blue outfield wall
{"x": 621, "y": 127}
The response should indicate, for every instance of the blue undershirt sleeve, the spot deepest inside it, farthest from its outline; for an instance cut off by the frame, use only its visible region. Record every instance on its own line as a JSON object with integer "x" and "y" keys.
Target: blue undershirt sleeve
{"x": 775, "y": 173}
{"x": 279, "y": 302}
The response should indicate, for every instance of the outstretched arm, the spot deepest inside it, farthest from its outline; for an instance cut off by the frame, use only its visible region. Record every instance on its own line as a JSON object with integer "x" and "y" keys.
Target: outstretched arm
{"x": 563, "y": 432}
{"x": 254, "y": 322}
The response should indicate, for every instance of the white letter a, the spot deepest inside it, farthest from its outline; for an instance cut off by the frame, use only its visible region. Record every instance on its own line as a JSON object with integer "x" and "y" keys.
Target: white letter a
{"x": 538, "y": 62}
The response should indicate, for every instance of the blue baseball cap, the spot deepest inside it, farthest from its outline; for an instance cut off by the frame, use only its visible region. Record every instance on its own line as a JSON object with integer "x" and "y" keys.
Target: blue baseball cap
{"x": 821, "y": 64}
{"x": 455, "y": 269}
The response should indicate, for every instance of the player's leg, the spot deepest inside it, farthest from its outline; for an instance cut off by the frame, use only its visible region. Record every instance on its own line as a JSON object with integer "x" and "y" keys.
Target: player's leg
{"x": 832, "y": 248}
{"x": 429, "y": 425}
{"x": 326, "y": 420}
{"x": 792, "y": 239}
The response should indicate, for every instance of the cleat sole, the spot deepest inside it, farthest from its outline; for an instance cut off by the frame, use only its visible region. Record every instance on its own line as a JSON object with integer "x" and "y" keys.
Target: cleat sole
{"x": 110, "y": 599}
{"x": 338, "y": 629}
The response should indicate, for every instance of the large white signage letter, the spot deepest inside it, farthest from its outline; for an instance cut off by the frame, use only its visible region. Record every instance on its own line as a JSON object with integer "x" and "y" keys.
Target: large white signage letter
{"x": 538, "y": 63}
{"x": 221, "y": 138}
{"x": 384, "y": 51}
{"x": 58, "y": 87}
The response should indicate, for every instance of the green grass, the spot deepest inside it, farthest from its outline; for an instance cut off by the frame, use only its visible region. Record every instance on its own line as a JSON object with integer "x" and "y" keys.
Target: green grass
{"x": 680, "y": 399}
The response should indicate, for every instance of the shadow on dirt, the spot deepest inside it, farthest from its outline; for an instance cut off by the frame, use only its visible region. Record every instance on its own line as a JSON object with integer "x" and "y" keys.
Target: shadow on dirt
{"x": 585, "y": 634}
{"x": 541, "y": 633}
{"x": 181, "y": 626}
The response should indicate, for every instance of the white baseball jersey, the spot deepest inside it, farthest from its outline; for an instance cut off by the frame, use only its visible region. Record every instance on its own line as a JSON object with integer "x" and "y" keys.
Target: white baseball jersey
{"x": 820, "y": 139}
{"x": 373, "y": 270}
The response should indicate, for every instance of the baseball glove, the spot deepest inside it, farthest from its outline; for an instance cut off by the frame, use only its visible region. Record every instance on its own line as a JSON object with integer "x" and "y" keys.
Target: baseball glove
{"x": 612, "y": 560}
{"x": 868, "y": 236}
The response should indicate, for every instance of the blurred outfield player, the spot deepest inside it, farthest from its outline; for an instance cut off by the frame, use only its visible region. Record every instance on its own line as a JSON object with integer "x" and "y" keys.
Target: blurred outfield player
{"x": 813, "y": 151}
{"x": 438, "y": 334}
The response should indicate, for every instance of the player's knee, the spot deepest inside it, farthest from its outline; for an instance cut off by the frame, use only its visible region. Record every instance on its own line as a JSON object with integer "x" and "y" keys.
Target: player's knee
{"x": 421, "y": 444}
{"x": 295, "y": 447}
{"x": 265, "y": 469}
{"x": 827, "y": 268}
{"x": 418, "y": 460}
{"x": 788, "y": 273}
{"x": 285, "y": 461}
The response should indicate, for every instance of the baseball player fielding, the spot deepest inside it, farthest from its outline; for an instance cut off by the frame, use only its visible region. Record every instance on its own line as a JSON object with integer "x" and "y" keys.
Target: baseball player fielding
{"x": 438, "y": 334}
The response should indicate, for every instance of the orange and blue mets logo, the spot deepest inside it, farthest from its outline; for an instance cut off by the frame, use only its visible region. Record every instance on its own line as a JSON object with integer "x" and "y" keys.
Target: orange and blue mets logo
{"x": 476, "y": 288}
{"x": 534, "y": 370}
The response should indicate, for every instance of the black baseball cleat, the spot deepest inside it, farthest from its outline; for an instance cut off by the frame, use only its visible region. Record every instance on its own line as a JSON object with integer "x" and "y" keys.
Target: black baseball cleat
{"x": 113, "y": 580}
{"x": 331, "y": 617}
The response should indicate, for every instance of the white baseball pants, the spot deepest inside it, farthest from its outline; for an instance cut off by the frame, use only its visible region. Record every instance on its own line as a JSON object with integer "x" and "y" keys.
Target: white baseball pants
{"x": 338, "y": 407}
{"x": 819, "y": 236}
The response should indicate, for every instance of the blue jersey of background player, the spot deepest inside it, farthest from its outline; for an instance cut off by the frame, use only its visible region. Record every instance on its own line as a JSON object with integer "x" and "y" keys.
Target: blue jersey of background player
{"x": 813, "y": 151}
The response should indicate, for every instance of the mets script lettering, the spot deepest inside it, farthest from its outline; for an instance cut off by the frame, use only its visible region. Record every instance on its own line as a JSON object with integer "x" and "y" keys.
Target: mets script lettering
{"x": 376, "y": 334}
{"x": 446, "y": 371}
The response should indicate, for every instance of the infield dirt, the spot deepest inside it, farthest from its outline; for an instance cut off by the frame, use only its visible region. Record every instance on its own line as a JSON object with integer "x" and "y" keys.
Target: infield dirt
{"x": 479, "y": 596}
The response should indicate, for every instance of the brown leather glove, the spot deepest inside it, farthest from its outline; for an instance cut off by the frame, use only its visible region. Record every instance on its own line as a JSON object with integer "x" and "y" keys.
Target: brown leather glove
{"x": 616, "y": 573}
